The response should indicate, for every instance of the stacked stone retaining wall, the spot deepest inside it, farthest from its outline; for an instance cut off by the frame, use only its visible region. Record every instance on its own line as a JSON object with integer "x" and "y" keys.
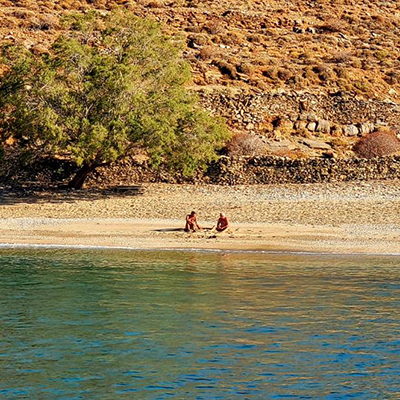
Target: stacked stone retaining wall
{"x": 259, "y": 170}
{"x": 272, "y": 170}
{"x": 226, "y": 171}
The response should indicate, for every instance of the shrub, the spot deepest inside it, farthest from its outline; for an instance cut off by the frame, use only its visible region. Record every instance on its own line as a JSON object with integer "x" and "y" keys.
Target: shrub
{"x": 213, "y": 27}
{"x": 246, "y": 144}
{"x": 341, "y": 57}
{"x": 208, "y": 53}
{"x": 245, "y": 68}
{"x": 334, "y": 25}
{"x": 377, "y": 144}
{"x": 392, "y": 77}
{"x": 271, "y": 73}
{"x": 226, "y": 69}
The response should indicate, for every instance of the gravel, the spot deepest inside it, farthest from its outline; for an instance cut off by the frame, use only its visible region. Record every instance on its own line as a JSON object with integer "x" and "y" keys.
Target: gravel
{"x": 355, "y": 203}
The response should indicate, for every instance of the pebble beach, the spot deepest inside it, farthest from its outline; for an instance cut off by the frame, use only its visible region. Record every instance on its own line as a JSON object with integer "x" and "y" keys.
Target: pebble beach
{"x": 356, "y": 217}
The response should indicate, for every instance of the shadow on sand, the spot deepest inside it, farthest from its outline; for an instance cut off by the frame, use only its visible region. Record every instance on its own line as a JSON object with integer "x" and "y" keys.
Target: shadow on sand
{"x": 32, "y": 195}
{"x": 181, "y": 230}
{"x": 170, "y": 230}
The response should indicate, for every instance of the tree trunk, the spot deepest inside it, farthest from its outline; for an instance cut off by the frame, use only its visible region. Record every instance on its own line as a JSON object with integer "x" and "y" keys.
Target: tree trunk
{"x": 80, "y": 177}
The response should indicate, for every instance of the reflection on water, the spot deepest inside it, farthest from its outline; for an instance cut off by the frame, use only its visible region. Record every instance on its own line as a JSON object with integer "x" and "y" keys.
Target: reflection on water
{"x": 98, "y": 325}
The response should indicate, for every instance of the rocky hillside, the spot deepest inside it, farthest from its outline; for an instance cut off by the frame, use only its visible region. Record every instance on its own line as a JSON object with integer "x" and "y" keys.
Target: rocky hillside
{"x": 294, "y": 78}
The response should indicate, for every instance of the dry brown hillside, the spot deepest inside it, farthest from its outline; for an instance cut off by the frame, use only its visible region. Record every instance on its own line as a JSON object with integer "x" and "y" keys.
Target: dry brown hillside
{"x": 293, "y": 78}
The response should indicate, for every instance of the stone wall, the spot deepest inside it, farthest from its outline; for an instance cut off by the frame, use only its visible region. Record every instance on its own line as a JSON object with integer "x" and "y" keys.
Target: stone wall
{"x": 268, "y": 170}
{"x": 339, "y": 112}
{"x": 258, "y": 170}
{"x": 226, "y": 171}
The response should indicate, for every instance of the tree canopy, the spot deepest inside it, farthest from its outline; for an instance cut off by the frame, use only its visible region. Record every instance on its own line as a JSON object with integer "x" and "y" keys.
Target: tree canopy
{"x": 109, "y": 84}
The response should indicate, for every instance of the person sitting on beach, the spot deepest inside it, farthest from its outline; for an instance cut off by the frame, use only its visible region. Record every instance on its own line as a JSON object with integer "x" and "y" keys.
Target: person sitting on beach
{"x": 222, "y": 223}
{"x": 191, "y": 222}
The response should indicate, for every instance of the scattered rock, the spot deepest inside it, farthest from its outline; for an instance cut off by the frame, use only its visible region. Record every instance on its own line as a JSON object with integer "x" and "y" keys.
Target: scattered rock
{"x": 323, "y": 126}
{"x": 366, "y": 128}
{"x": 300, "y": 125}
{"x": 311, "y": 126}
{"x": 350, "y": 130}
{"x": 316, "y": 144}
{"x": 250, "y": 126}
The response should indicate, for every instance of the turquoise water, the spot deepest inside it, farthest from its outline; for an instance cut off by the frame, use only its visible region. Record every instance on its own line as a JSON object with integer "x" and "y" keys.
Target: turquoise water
{"x": 151, "y": 325}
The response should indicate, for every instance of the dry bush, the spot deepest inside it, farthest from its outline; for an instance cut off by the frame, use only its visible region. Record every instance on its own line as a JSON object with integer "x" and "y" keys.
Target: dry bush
{"x": 226, "y": 69}
{"x": 392, "y": 77}
{"x": 271, "y": 73}
{"x": 213, "y": 27}
{"x": 334, "y": 25}
{"x": 44, "y": 22}
{"x": 284, "y": 74}
{"x": 209, "y": 53}
{"x": 377, "y": 144}
{"x": 341, "y": 57}
{"x": 245, "y": 68}
{"x": 246, "y": 144}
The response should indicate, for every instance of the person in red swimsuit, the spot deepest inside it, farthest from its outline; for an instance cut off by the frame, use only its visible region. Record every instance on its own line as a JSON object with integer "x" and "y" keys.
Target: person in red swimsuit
{"x": 222, "y": 223}
{"x": 191, "y": 222}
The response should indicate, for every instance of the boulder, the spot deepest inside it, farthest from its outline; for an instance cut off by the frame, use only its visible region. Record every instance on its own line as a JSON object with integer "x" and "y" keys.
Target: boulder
{"x": 300, "y": 125}
{"x": 311, "y": 126}
{"x": 366, "y": 127}
{"x": 350, "y": 130}
{"x": 323, "y": 126}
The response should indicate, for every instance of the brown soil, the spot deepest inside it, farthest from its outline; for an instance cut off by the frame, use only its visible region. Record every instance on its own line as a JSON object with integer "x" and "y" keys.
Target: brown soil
{"x": 257, "y": 45}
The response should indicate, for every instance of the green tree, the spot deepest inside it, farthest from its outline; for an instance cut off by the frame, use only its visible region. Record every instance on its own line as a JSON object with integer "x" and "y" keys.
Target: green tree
{"x": 107, "y": 86}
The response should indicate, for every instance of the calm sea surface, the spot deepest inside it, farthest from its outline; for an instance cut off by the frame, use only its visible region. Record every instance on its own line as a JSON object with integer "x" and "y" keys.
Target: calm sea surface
{"x": 158, "y": 325}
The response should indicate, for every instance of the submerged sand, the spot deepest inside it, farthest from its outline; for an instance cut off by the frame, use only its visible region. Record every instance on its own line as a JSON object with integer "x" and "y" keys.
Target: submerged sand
{"x": 330, "y": 218}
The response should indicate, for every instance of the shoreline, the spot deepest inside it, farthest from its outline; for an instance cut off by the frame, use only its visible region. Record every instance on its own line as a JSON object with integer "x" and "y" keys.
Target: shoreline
{"x": 27, "y": 246}
{"x": 168, "y": 235}
{"x": 348, "y": 218}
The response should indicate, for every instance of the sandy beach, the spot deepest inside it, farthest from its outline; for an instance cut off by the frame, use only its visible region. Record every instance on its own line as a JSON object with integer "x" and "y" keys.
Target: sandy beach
{"x": 345, "y": 218}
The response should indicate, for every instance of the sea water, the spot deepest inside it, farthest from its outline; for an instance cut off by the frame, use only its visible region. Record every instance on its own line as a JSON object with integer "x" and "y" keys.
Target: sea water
{"x": 192, "y": 325}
